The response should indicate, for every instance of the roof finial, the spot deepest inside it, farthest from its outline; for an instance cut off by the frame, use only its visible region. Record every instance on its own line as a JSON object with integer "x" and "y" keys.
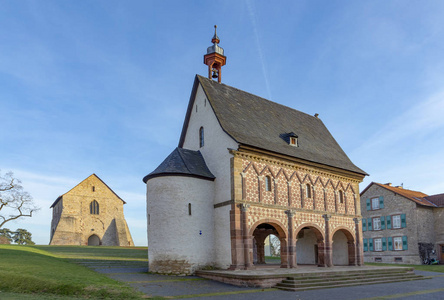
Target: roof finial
{"x": 215, "y": 39}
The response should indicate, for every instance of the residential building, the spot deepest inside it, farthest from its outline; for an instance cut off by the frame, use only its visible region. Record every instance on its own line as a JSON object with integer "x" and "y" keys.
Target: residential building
{"x": 401, "y": 225}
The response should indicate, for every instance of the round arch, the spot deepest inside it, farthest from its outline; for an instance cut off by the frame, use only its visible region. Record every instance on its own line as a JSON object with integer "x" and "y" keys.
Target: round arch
{"x": 259, "y": 231}
{"x": 319, "y": 232}
{"x": 343, "y": 246}
{"x": 94, "y": 240}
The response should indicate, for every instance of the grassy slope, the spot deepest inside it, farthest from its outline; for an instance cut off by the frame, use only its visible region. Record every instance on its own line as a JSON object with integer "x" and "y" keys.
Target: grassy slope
{"x": 47, "y": 269}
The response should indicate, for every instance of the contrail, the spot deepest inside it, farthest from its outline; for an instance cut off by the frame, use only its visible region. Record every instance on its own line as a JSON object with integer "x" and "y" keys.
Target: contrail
{"x": 252, "y": 13}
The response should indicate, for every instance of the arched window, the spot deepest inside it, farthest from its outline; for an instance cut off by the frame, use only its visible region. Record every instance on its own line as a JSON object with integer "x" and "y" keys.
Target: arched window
{"x": 201, "y": 137}
{"x": 308, "y": 190}
{"x": 189, "y": 209}
{"x": 341, "y": 197}
{"x": 267, "y": 183}
{"x": 94, "y": 208}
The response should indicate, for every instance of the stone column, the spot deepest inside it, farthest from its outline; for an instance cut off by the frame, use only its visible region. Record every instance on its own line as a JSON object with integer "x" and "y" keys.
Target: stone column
{"x": 291, "y": 240}
{"x": 260, "y": 244}
{"x": 247, "y": 239}
{"x": 359, "y": 253}
{"x": 328, "y": 250}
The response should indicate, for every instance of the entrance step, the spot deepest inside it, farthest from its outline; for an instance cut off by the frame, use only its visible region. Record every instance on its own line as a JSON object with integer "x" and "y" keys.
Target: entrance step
{"x": 342, "y": 279}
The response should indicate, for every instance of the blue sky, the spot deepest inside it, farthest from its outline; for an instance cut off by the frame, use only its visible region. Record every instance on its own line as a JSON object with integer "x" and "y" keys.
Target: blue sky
{"x": 102, "y": 86}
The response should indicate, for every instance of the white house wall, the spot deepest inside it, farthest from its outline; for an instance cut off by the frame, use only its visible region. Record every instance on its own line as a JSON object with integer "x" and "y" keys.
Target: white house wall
{"x": 179, "y": 243}
{"x": 217, "y": 157}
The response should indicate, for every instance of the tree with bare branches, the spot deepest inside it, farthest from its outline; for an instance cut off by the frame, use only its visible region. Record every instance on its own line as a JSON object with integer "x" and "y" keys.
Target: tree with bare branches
{"x": 15, "y": 202}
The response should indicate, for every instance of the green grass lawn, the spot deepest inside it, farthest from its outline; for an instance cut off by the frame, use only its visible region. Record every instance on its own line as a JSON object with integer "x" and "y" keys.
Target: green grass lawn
{"x": 49, "y": 272}
{"x": 429, "y": 268}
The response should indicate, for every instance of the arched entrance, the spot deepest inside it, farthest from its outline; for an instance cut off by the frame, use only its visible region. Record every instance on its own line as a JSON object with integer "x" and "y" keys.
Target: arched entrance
{"x": 93, "y": 240}
{"x": 260, "y": 233}
{"x": 309, "y": 246}
{"x": 343, "y": 246}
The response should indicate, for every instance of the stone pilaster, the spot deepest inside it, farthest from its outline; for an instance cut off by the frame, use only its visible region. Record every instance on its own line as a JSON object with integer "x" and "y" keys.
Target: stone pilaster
{"x": 248, "y": 247}
{"x": 328, "y": 250}
{"x": 359, "y": 252}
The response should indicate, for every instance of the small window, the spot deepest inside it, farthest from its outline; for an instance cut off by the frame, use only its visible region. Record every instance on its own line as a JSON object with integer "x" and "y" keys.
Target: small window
{"x": 396, "y": 221}
{"x": 94, "y": 208}
{"x": 378, "y": 244}
{"x": 201, "y": 137}
{"x": 189, "y": 209}
{"x": 398, "y": 259}
{"x": 267, "y": 183}
{"x": 378, "y": 259}
{"x": 93, "y": 188}
{"x": 308, "y": 190}
{"x": 294, "y": 141}
{"x": 397, "y": 242}
{"x": 375, "y": 203}
{"x": 376, "y": 223}
{"x": 341, "y": 197}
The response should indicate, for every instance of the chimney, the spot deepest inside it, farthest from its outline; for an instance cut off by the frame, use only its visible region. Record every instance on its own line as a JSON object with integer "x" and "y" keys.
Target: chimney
{"x": 399, "y": 187}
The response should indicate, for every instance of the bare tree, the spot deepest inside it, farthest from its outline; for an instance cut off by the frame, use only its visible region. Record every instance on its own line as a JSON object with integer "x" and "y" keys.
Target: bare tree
{"x": 14, "y": 201}
{"x": 275, "y": 244}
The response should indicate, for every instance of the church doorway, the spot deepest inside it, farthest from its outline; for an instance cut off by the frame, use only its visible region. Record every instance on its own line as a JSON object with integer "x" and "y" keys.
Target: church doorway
{"x": 309, "y": 241}
{"x": 343, "y": 248}
{"x": 94, "y": 240}
{"x": 269, "y": 245}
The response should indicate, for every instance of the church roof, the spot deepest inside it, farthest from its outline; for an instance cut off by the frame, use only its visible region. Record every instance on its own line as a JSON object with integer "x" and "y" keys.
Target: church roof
{"x": 92, "y": 175}
{"x": 182, "y": 162}
{"x": 254, "y": 121}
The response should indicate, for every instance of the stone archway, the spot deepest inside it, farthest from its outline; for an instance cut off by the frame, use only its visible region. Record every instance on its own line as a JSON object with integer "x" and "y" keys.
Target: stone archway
{"x": 310, "y": 246}
{"x": 94, "y": 240}
{"x": 260, "y": 232}
{"x": 343, "y": 247}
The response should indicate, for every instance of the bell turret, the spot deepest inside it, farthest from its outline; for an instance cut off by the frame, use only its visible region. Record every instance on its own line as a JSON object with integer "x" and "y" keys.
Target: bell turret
{"x": 215, "y": 58}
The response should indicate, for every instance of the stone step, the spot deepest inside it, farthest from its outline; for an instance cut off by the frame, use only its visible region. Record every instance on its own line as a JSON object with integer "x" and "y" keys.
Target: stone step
{"x": 342, "y": 277}
{"x": 345, "y": 281}
{"x": 352, "y": 273}
{"x": 294, "y": 289}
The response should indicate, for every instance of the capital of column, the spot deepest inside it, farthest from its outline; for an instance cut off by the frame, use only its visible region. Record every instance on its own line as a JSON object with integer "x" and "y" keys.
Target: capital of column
{"x": 326, "y": 217}
{"x": 243, "y": 174}
{"x": 290, "y": 213}
{"x": 244, "y": 207}
{"x": 357, "y": 220}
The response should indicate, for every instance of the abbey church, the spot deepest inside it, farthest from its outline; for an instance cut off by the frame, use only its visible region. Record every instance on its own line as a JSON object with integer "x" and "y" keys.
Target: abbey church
{"x": 246, "y": 167}
{"x": 89, "y": 214}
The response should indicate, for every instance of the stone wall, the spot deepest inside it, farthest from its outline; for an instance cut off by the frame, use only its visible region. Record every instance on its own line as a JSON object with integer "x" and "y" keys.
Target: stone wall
{"x": 73, "y": 222}
{"x": 395, "y": 204}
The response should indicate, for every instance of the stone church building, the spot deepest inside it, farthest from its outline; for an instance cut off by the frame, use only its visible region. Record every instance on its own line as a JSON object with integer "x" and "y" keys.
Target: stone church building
{"x": 245, "y": 168}
{"x": 89, "y": 214}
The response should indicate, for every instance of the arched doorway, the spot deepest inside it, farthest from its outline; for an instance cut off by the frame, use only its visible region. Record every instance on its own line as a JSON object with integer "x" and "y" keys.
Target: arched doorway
{"x": 309, "y": 246}
{"x": 343, "y": 246}
{"x": 277, "y": 236}
{"x": 93, "y": 240}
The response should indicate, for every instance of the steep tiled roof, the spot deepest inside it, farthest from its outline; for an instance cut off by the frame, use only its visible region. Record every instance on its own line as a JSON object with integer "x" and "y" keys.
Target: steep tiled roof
{"x": 414, "y": 196}
{"x": 254, "y": 121}
{"x": 438, "y": 199}
{"x": 182, "y": 162}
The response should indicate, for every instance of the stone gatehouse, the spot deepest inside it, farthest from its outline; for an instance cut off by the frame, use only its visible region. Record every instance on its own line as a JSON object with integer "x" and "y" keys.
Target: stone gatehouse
{"x": 89, "y": 214}
{"x": 245, "y": 168}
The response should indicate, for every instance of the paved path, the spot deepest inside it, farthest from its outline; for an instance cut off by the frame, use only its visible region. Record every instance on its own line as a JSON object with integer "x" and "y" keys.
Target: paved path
{"x": 192, "y": 287}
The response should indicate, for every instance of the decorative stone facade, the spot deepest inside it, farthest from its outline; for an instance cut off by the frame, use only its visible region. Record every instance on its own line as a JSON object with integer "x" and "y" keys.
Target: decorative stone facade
{"x": 89, "y": 214}
{"x": 408, "y": 218}
{"x": 289, "y": 208}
